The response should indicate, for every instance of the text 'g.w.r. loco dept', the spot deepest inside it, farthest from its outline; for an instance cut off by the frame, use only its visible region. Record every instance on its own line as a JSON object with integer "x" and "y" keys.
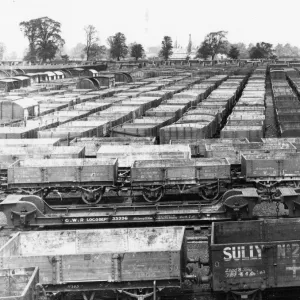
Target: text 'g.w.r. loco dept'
{"x": 253, "y": 252}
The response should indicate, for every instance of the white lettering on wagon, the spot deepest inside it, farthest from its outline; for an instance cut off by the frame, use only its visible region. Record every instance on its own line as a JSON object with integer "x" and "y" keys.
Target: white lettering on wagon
{"x": 254, "y": 252}
{"x": 288, "y": 250}
{"x": 243, "y": 272}
{"x": 249, "y": 252}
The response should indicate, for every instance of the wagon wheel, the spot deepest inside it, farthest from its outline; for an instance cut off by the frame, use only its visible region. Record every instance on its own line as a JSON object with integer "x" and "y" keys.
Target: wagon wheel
{"x": 210, "y": 192}
{"x": 230, "y": 193}
{"x": 92, "y": 196}
{"x": 236, "y": 202}
{"x": 153, "y": 194}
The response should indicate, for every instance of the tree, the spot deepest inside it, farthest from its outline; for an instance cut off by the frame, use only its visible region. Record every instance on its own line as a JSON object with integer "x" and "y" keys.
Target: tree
{"x": 91, "y": 39}
{"x": 213, "y": 44}
{"x": 11, "y": 56}
{"x": 44, "y": 38}
{"x": 65, "y": 57}
{"x": 137, "y": 51}
{"x": 30, "y": 30}
{"x": 261, "y": 50}
{"x": 203, "y": 51}
{"x": 256, "y": 52}
{"x": 279, "y": 50}
{"x": 118, "y": 47}
{"x": 244, "y": 53}
{"x": 77, "y": 51}
{"x": 2, "y": 50}
{"x": 166, "y": 48}
{"x": 286, "y": 51}
{"x": 234, "y": 52}
{"x": 97, "y": 52}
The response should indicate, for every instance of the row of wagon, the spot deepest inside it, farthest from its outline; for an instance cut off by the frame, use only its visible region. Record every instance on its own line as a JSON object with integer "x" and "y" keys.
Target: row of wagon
{"x": 59, "y": 107}
{"x": 172, "y": 109}
{"x": 248, "y": 116}
{"x": 152, "y": 170}
{"x": 152, "y": 262}
{"x": 287, "y": 107}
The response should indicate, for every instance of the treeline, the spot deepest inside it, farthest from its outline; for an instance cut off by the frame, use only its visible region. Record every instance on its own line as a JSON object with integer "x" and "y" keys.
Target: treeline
{"x": 217, "y": 43}
{"x": 45, "y": 43}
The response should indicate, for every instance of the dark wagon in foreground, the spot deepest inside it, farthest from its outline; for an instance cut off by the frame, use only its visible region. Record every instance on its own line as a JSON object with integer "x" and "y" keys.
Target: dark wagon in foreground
{"x": 253, "y": 259}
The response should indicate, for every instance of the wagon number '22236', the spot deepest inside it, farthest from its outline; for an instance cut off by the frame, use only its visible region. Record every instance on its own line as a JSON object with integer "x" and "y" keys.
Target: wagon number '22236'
{"x": 253, "y": 252}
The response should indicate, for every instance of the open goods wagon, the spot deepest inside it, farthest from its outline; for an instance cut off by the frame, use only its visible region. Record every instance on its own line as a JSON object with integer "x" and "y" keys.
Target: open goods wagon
{"x": 253, "y": 258}
{"x": 19, "y": 283}
{"x": 93, "y": 144}
{"x": 126, "y": 261}
{"x": 154, "y": 177}
{"x": 90, "y": 176}
{"x": 271, "y": 167}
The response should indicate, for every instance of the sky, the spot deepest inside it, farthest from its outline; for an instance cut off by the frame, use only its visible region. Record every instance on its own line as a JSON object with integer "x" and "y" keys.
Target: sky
{"x": 246, "y": 21}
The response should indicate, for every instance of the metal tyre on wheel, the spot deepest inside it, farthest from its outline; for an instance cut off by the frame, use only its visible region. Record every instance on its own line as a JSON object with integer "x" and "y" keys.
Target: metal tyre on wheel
{"x": 153, "y": 194}
{"x": 93, "y": 196}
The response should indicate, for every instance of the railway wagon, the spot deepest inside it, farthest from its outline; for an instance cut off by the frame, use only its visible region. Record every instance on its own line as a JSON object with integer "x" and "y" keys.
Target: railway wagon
{"x": 19, "y": 283}
{"x": 127, "y": 154}
{"x": 252, "y": 133}
{"x": 294, "y": 141}
{"x": 271, "y": 167}
{"x": 233, "y": 152}
{"x": 183, "y": 132}
{"x": 289, "y": 129}
{"x": 210, "y": 121}
{"x": 89, "y": 176}
{"x": 154, "y": 177}
{"x": 126, "y": 261}
{"x": 9, "y": 155}
{"x": 198, "y": 146}
{"x": 93, "y": 144}
{"x": 29, "y": 142}
{"x": 252, "y": 258}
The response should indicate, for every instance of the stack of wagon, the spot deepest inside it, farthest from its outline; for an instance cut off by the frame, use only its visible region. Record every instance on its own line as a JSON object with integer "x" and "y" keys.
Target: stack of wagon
{"x": 156, "y": 113}
{"x": 295, "y": 83}
{"x": 204, "y": 121}
{"x": 193, "y": 126}
{"x": 287, "y": 108}
{"x": 142, "y": 125}
{"x": 247, "y": 119}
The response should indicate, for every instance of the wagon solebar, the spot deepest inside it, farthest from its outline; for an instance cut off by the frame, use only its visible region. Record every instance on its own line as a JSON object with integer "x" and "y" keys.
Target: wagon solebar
{"x": 29, "y": 211}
